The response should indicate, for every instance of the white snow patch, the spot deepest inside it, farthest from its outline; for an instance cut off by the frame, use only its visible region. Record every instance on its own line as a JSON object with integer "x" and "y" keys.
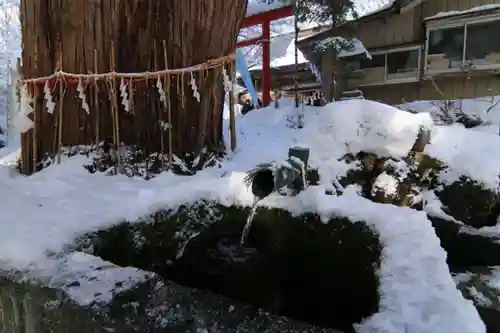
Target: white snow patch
{"x": 485, "y": 108}
{"x": 386, "y": 183}
{"x": 433, "y": 206}
{"x": 361, "y": 125}
{"x": 369, "y": 7}
{"x": 466, "y": 152}
{"x": 470, "y": 152}
{"x": 89, "y": 280}
{"x": 493, "y": 279}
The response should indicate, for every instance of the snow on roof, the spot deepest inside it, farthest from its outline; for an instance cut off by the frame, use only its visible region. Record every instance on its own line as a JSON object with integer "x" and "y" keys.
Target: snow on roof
{"x": 283, "y": 52}
{"x": 357, "y": 48}
{"x": 257, "y": 6}
{"x": 463, "y": 12}
{"x": 373, "y": 7}
{"x": 347, "y": 48}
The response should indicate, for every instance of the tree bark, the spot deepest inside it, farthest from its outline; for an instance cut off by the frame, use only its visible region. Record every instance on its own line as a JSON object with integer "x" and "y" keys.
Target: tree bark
{"x": 194, "y": 31}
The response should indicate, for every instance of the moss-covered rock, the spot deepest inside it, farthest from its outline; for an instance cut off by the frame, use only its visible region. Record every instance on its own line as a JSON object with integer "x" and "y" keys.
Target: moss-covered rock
{"x": 26, "y": 307}
{"x": 365, "y": 169}
{"x": 470, "y": 202}
{"x": 154, "y": 307}
{"x": 294, "y": 266}
{"x": 390, "y": 181}
{"x": 465, "y": 246}
{"x": 388, "y": 189}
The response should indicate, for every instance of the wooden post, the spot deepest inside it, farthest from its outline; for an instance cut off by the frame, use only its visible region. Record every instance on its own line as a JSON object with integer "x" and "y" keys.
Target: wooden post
{"x": 266, "y": 63}
{"x": 96, "y": 102}
{"x": 60, "y": 120}
{"x": 160, "y": 109}
{"x": 330, "y": 90}
{"x": 296, "y": 69}
{"x": 169, "y": 106}
{"x": 35, "y": 148}
{"x": 61, "y": 109}
{"x": 232, "y": 116}
{"x": 114, "y": 109}
{"x": 35, "y": 116}
{"x": 16, "y": 101}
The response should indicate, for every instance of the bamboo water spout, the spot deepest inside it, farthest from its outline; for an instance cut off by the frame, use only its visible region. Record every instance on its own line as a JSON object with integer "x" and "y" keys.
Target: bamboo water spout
{"x": 287, "y": 178}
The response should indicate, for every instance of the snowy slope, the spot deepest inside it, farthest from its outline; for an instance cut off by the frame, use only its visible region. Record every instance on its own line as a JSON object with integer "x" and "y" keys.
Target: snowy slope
{"x": 42, "y": 214}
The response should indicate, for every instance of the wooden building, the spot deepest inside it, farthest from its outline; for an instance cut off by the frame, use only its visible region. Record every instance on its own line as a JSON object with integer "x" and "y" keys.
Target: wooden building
{"x": 420, "y": 50}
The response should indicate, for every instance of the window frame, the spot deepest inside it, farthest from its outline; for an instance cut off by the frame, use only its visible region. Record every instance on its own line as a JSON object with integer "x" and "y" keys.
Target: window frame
{"x": 464, "y": 22}
{"x": 385, "y": 80}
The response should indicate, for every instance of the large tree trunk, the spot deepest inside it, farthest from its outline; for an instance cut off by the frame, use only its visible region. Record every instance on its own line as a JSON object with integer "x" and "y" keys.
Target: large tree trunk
{"x": 194, "y": 31}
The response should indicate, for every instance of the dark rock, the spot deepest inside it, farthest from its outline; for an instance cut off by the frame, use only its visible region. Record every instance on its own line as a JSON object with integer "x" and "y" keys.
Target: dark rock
{"x": 470, "y": 202}
{"x": 366, "y": 168}
{"x": 491, "y": 318}
{"x": 466, "y": 247}
{"x": 294, "y": 266}
{"x": 410, "y": 175}
{"x": 152, "y": 307}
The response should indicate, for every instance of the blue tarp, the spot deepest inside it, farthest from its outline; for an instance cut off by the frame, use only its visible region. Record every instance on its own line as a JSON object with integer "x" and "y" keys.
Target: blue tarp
{"x": 242, "y": 68}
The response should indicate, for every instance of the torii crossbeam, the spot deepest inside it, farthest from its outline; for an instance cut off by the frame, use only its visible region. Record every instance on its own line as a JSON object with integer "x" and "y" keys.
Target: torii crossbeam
{"x": 265, "y": 19}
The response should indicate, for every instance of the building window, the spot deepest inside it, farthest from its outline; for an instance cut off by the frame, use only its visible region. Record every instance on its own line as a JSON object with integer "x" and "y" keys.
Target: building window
{"x": 374, "y": 69}
{"x": 446, "y": 48}
{"x": 483, "y": 44}
{"x": 402, "y": 65}
{"x": 392, "y": 66}
{"x": 470, "y": 45}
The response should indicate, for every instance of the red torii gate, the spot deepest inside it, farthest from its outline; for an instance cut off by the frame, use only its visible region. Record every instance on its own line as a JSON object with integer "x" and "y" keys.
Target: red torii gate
{"x": 265, "y": 19}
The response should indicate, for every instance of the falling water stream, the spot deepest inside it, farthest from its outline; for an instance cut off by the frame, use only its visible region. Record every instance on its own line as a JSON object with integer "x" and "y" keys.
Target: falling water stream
{"x": 248, "y": 224}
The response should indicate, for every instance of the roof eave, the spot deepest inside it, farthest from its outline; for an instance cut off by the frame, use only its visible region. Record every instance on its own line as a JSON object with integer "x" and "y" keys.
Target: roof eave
{"x": 364, "y": 19}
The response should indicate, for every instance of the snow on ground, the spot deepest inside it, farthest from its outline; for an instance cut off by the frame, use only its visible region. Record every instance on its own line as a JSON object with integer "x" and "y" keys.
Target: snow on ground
{"x": 474, "y": 152}
{"x": 43, "y": 213}
{"x": 484, "y": 108}
{"x": 471, "y": 153}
